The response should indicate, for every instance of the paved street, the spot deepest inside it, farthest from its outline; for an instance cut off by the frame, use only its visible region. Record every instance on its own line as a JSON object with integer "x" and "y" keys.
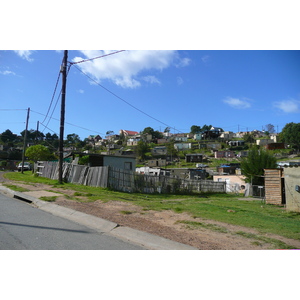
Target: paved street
{"x": 23, "y": 226}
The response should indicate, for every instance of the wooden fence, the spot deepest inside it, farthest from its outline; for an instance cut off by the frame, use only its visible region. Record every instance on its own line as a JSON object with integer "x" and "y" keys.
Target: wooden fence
{"x": 128, "y": 181}
{"x": 91, "y": 176}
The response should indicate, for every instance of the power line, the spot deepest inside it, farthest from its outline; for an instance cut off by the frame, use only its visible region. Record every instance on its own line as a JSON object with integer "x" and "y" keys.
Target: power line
{"x": 52, "y": 96}
{"x": 89, "y": 59}
{"x": 6, "y": 109}
{"x": 56, "y": 100}
{"x": 68, "y": 124}
{"x": 125, "y": 100}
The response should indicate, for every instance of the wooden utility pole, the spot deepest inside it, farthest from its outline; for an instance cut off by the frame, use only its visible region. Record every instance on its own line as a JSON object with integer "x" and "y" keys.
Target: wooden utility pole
{"x": 62, "y": 116}
{"x": 37, "y": 130}
{"x": 25, "y": 140}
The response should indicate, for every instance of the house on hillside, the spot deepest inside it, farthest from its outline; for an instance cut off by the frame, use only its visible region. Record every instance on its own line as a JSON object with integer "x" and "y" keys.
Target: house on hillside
{"x": 227, "y": 135}
{"x": 198, "y": 136}
{"x": 195, "y": 157}
{"x": 94, "y": 138}
{"x": 182, "y": 146}
{"x": 224, "y": 154}
{"x": 180, "y": 138}
{"x": 157, "y": 163}
{"x": 127, "y": 133}
{"x": 133, "y": 141}
{"x": 274, "y": 137}
{"x": 230, "y": 169}
{"x": 213, "y": 146}
{"x": 159, "y": 150}
{"x": 263, "y": 142}
{"x": 274, "y": 146}
{"x": 236, "y": 143}
{"x": 213, "y": 133}
{"x": 162, "y": 141}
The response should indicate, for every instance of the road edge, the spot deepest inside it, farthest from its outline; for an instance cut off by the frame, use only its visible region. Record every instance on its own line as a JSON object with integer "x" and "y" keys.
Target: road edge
{"x": 144, "y": 239}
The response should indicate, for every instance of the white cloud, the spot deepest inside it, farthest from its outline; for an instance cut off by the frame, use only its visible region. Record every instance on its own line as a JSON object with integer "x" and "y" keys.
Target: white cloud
{"x": 288, "y": 106}
{"x": 151, "y": 79}
{"x": 237, "y": 103}
{"x": 80, "y": 91}
{"x": 205, "y": 58}
{"x": 179, "y": 81}
{"x": 6, "y": 72}
{"x": 125, "y": 68}
{"x": 25, "y": 54}
{"x": 184, "y": 62}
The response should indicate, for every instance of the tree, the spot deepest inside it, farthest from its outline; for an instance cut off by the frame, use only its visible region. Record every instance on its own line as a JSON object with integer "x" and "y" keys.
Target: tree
{"x": 249, "y": 138}
{"x": 155, "y": 134}
{"x": 290, "y": 134}
{"x": 254, "y": 164}
{"x": 270, "y": 128}
{"x": 195, "y": 129}
{"x": 171, "y": 151}
{"x": 206, "y": 127}
{"x": 73, "y": 140}
{"x": 38, "y": 152}
{"x": 141, "y": 149}
{"x": 7, "y": 136}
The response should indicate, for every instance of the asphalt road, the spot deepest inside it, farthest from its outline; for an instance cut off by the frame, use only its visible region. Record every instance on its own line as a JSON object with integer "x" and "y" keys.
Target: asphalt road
{"x": 24, "y": 227}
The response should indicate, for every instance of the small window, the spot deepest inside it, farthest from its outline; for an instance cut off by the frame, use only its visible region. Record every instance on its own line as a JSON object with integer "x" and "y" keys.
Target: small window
{"x": 128, "y": 165}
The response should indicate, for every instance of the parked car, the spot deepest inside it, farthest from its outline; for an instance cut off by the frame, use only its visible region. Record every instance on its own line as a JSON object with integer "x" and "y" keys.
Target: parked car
{"x": 26, "y": 167}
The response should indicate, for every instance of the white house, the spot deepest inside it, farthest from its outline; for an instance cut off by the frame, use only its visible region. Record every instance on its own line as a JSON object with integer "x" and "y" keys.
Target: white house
{"x": 182, "y": 146}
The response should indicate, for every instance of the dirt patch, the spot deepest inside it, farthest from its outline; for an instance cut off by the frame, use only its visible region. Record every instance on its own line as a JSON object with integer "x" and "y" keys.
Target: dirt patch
{"x": 181, "y": 227}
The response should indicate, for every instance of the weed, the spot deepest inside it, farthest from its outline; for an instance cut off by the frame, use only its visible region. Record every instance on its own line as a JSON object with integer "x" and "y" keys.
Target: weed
{"x": 276, "y": 243}
{"x": 126, "y": 212}
{"x": 48, "y": 198}
{"x": 213, "y": 227}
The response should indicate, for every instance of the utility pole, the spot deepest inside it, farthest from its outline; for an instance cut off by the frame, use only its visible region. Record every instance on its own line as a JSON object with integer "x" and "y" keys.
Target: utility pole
{"x": 37, "y": 130}
{"x": 25, "y": 138}
{"x": 62, "y": 116}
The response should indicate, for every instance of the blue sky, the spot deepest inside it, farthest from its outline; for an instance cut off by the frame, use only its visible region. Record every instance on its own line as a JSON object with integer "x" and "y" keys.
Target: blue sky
{"x": 229, "y": 89}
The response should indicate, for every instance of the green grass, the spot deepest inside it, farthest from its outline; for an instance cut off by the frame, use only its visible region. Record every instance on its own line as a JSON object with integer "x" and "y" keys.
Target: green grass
{"x": 15, "y": 188}
{"x": 48, "y": 198}
{"x": 214, "y": 227}
{"x": 126, "y": 212}
{"x": 252, "y": 214}
{"x": 277, "y": 244}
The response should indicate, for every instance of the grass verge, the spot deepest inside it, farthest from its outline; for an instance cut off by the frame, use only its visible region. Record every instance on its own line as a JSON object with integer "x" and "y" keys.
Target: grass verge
{"x": 16, "y": 188}
{"x": 219, "y": 207}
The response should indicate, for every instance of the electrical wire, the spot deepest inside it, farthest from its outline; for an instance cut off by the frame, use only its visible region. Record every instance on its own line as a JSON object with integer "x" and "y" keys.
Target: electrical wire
{"x": 52, "y": 96}
{"x": 89, "y": 59}
{"x": 57, "y": 100}
{"x": 146, "y": 114}
{"x": 13, "y": 109}
{"x": 66, "y": 123}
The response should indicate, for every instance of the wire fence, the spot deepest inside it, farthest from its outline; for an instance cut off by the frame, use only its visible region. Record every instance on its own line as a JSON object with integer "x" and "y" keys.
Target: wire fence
{"x": 129, "y": 181}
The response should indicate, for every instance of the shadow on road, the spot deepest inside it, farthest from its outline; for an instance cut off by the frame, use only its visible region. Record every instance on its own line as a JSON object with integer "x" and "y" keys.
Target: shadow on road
{"x": 44, "y": 227}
